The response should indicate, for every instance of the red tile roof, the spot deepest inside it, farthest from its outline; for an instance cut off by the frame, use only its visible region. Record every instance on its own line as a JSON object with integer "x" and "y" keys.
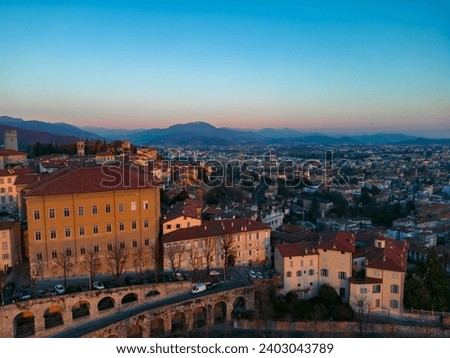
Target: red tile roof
{"x": 91, "y": 180}
{"x": 7, "y": 152}
{"x": 344, "y": 241}
{"x": 189, "y": 208}
{"x": 293, "y": 250}
{"x": 215, "y": 228}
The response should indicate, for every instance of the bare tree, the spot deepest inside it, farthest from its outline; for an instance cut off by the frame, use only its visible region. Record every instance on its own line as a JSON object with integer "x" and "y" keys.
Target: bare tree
{"x": 64, "y": 261}
{"x": 362, "y": 309}
{"x": 36, "y": 272}
{"x": 228, "y": 250}
{"x": 91, "y": 265}
{"x": 140, "y": 257}
{"x": 208, "y": 251}
{"x": 195, "y": 262}
{"x": 2, "y": 284}
{"x": 175, "y": 254}
{"x": 116, "y": 260}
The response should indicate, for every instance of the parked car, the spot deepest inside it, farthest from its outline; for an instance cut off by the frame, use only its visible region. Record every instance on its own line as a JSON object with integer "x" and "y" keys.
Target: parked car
{"x": 178, "y": 276}
{"x": 26, "y": 295}
{"x": 252, "y": 274}
{"x": 98, "y": 285}
{"x": 60, "y": 289}
{"x": 50, "y": 292}
{"x": 259, "y": 275}
{"x": 40, "y": 294}
{"x": 198, "y": 288}
{"x": 214, "y": 273}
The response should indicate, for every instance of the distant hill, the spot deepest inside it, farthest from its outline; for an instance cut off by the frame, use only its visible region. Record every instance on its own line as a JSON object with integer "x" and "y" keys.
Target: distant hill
{"x": 113, "y": 134}
{"x": 29, "y": 137}
{"x": 62, "y": 129}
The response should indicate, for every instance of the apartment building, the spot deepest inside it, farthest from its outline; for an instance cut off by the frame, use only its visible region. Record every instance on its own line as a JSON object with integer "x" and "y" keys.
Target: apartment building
{"x": 76, "y": 212}
{"x": 10, "y": 254}
{"x": 182, "y": 215}
{"x": 199, "y": 247}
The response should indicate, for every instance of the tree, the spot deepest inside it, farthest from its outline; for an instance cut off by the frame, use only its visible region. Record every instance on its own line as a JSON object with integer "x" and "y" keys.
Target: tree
{"x": 64, "y": 261}
{"x": 228, "y": 250}
{"x": 2, "y": 284}
{"x": 36, "y": 272}
{"x": 416, "y": 293}
{"x": 116, "y": 260}
{"x": 139, "y": 259}
{"x": 91, "y": 265}
{"x": 363, "y": 308}
{"x": 175, "y": 254}
{"x": 208, "y": 250}
{"x": 195, "y": 262}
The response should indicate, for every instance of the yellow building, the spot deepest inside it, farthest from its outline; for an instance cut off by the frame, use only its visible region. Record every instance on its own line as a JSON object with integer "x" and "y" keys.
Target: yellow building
{"x": 10, "y": 254}
{"x": 202, "y": 246}
{"x": 92, "y": 212}
{"x": 182, "y": 215}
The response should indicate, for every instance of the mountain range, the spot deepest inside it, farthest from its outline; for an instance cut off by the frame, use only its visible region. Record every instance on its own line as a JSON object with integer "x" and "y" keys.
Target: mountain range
{"x": 195, "y": 133}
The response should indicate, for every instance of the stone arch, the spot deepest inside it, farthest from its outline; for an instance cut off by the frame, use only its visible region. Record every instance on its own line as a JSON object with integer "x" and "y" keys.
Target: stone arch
{"x": 178, "y": 323}
{"x": 157, "y": 327}
{"x": 24, "y": 324}
{"x": 135, "y": 331}
{"x": 220, "y": 313}
{"x": 81, "y": 309}
{"x": 129, "y": 297}
{"x": 53, "y": 316}
{"x": 199, "y": 317}
{"x": 106, "y": 303}
{"x": 240, "y": 302}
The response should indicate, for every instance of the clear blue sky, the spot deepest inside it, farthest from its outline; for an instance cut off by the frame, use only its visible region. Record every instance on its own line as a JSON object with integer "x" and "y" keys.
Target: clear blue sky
{"x": 337, "y": 66}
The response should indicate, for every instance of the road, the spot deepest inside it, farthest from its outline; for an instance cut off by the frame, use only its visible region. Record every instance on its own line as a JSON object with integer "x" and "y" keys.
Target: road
{"x": 102, "y": 322}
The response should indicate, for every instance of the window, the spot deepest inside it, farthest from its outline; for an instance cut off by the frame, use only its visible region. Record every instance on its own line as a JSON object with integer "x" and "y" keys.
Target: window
{"x": 4, "y": 245}
{"x": 168, "y": 226}
{"x": 3, "y": 190}
{"x": 145, "y": 223}
{"x": 82, "y": 231}
{"x": 145, "y": 202}
{"x": 37, "y": 236}
{"x": 377, "y": 273}
{"x": 51, "y": 213}
{"x": 96, "y": 248}
{"x": 53, "y": 234}
{"x": 66, "y": 212}
{"x": 135, "y": 243}
{"x": 82, "y": 250}
{"x": 394, "y": 304}
{"x": 121, "y": 207}
{"x": 311, "y": 262}
{"x": 363, "y": 290}
{"x": 377, "y": 303}
{"x": 122, "y": 245}
{"x": 324, "y": 272}
{"x": 288, "y": 274}
{"x": 177, "y": 226}
{"x": 301, "y": 263}
{"x": 94, "y": 210}
{"x": 311, "y": 272}
{"x": 2, "y": 181}
{"x": 54, "y": 254}
{"x": 108, "y": 228}
{"x": 109, "y": 247}
{"x": 133, "y": 225}
{"x": 95, "y": 229}
{"x": 250, "y": 253}
{"x": 133, "y": 206}
{"x": 11, "y": 198}
{"x": 121, "y": 226}
{"x": 291, "y": 263}
{"x": 68, "y": 252}
{"x": 107, "y": 208}
{"x": 67, "y": 232}
{"x": 342, "y": 291}
{"x": 394, "y": 289}
{"x": 146, "y": 242}
{"x": 299, "y": 273}
{"x": 80, "y": 210}
{"x": 37, "y": 215}
{"x": 376, "y": 288}
{"x": 39, "y": 256}
{"x": 342, "y": 275}
{"x": 394, "y": 275}
{"x": 9, "y": 181}
{"x": 5, "y": 256}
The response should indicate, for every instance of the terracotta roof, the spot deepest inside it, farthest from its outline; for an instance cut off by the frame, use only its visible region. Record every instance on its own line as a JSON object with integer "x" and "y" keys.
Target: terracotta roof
{"x": 189, "y": 208}
{"x": 215, "y": 228}
{"x": 344, "y": 241}
{"x": 392, "y": 257}
{"x": 91, "y": 180}
{"x": 293, "y": 250}
{"x": 27, "y": 179}
{"x": 6, "y": 152}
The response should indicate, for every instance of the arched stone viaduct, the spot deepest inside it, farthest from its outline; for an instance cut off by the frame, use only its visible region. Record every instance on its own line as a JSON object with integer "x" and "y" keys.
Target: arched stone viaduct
{"x": 48, "y": 316}
{"x": 177, "y": 319}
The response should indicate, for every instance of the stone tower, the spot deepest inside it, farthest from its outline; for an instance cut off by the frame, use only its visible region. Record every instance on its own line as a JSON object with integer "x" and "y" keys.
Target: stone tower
{"x": 80, "y": 148}
{"x": 10, "y": 140}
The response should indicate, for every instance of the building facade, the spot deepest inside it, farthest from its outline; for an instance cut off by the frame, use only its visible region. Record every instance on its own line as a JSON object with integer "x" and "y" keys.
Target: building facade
{"x": 10, "y": 245}
{"x": 82, "y": 212}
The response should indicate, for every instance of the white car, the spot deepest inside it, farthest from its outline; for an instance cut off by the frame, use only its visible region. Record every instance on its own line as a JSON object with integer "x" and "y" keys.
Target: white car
{"x": 98, "y": 285}
{"x": 252, "y": 274}
{"x": 60, "y": 289}
{"x": 214, "y": 273}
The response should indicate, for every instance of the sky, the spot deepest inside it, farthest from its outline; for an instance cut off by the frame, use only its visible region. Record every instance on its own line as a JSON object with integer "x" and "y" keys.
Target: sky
{"x": 329, "y": 66}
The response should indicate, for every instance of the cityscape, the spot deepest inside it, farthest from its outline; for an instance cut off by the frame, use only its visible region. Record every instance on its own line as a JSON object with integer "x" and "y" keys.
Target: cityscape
{"x": 189, "y": 170}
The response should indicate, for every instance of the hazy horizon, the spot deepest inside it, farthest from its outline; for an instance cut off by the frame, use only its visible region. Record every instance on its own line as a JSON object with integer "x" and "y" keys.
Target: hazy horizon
{"x": 335, "y": 68}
